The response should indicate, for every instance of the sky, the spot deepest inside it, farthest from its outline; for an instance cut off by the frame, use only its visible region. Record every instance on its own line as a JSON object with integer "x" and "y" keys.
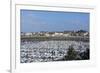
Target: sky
{"x": 37, "y": 21}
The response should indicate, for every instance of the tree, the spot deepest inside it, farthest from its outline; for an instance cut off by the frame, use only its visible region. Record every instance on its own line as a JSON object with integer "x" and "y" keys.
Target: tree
{"x": 86, "y": 54}
{"x": 71, "y": 54}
